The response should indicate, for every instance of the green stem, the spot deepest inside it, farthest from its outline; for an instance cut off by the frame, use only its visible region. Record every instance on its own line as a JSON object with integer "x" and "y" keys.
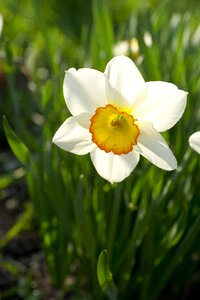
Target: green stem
{"x": 113, "y": 219}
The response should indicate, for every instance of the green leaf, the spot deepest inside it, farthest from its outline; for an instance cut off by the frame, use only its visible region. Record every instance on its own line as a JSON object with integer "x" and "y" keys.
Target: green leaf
{"x": 105, "y": 276}
{"x": 102, "y": 34}
{"x": 21, "y": 224}
{"x": 17, "y": 146}
{"x": 46, "y": 94}
{"x": 8, "y": 179}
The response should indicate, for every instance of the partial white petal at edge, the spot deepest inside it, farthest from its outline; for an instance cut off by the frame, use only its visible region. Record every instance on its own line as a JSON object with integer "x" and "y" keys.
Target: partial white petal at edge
{"x": 74, "y": 136}
{"x": 194, "y": 141}
{"x": 114, "y": 168}
{"x": 152, "y": 145}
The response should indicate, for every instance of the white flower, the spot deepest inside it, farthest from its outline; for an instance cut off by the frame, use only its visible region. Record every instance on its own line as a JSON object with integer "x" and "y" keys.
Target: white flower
{"x": 116, "y": 116}
{"x": 1, "y": 23}
{"x": 126, "y": 46}
{"x": 148, "y": 39}
{"x": 194, "y": 141}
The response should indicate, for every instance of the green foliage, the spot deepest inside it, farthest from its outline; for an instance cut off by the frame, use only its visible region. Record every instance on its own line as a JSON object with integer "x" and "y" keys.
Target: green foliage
{"x": 105, "y": 276}
{"x": 17, "y": 146}
{"x": 149, "y": 224}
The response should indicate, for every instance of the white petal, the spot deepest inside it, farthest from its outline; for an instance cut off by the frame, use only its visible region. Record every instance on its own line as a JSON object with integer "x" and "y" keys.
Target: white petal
{"x": 84, "y": 90}
{"x": 152, "y": 145}
{"x": 114, "y": 168}
{"x": 163, "y": 107}
{"x": 74, "y": 136}
{"x": 125, "y": 77}
{"x": 114, "y": 97}
{"x": 194, "y": 141}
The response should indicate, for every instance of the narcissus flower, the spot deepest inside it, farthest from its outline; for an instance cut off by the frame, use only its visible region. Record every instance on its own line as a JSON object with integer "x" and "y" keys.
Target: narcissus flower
{"x": 116, "y": 116}
{"x": 128, "y": 47}
{"x": 194, "y": 141}
{"x": 1, "y": 23}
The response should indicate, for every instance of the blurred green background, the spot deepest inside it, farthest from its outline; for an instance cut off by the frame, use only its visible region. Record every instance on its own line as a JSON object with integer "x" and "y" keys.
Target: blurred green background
{"x": 65, "y": 233}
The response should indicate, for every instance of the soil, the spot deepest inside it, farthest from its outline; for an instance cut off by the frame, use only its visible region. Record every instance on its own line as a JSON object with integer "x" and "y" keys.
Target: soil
{"x": 23, "y": 272}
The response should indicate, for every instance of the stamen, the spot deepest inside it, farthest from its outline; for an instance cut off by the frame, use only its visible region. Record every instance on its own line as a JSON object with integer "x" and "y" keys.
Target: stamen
{"x": 118, "y": 121}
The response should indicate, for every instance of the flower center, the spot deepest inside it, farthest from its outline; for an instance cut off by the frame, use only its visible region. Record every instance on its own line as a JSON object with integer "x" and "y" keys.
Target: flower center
{"x": 113, "y": 130}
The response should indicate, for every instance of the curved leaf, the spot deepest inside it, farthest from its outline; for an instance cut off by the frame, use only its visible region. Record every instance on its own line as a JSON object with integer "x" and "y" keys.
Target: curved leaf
{"x": 17, "y": 146}
{"x": 105, "y": 276}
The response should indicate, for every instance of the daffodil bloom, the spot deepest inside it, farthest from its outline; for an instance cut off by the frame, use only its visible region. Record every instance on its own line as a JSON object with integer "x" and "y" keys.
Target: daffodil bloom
{"x": 116, "y": 116}
{"x": 127, "y": 47}
{"x": 194, "y": 141}
{"x": 1, "y": 23}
